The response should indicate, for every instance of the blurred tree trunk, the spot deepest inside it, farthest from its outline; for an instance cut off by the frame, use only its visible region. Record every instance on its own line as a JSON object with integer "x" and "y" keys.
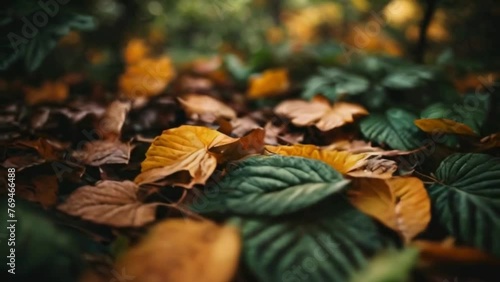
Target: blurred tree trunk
{"x": 422, "y": 39}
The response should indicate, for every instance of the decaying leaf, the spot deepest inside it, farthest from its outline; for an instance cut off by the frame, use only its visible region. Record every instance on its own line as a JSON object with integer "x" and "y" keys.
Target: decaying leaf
{"x": 182, "y": 250}
{"x": 443, "y": 125}
{"x": 42, "y": 189}
{"x": 401, "y": 203}
{"x": 205, "y": 107}
{"x": 146, "y": 78}
{"x": 376, "y": 168}
{"x": 361, "y": 146}
{"x": 343, "y": 162}
{"x": 111, "y": 123}
{"x": 188, "y": 148}
{"x": 101, "y": 152}
{"x": 318, "y": 112}
{"x": 490, "y": 141}
{"x": 273, "y": 82}
{"x": 110, "y": 202}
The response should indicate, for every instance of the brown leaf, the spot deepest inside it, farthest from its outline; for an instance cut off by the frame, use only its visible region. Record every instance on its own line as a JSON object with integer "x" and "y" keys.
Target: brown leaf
{"x": 41, "y": 188}
{"x": 184, "y": 251}
{"x": 361, "y": 146}
{"x": 110, "y": 125}
{"x": 242, "y": 126}
{"x": 205, "y": 108}
{"x": 376, "y": 168}
{"x": 401, "y": 203}
{"x": 318, "y": 112}
{"x": 101, "y": 152}
{"x": 110, "y": 202}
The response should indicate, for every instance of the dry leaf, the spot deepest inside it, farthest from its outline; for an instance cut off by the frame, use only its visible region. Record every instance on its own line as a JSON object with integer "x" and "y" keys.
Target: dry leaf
{"x": 42, "y": 189}
{"x": 376, "y": 168}
{"x": 361, "y": 146}
{"x": 490, "y": 141}
{"x": 188, "y": 148}
{"x": 182, "y": 250}
{"x": 110, "y": 202}
{"x": 110, "y": 125}
{"x": 146, "y": 78}
{"x": 272, "y": 82}
{"x": 197, "y": 106}
{"x": 101, "y": 152}
{"x": 318, "y": 112}
{"x": 343, "y": 162}
{"x": 401, "y": 203}
{"x": 135, "y": 51}
{"x": 443, "y": 125}
{"x": 50, "y": 91}
{"x": 241, "y": 126}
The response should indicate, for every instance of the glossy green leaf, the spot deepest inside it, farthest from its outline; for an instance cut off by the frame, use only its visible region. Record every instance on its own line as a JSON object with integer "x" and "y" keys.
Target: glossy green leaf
{"x": 326, "y": 242}
{"x": 395, "y": 129}
{"x": 271, "y": 185}
{"x": 466, "y": 199}
{"x": 333, "y": 83}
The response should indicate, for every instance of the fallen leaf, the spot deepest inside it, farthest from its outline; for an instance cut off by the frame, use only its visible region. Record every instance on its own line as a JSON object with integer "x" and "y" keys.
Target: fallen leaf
{"x": 101, "y": 152}
{"x": 110, "y": 202}
{"x": 490, "y": 141}
{"x": 110, "y": 125}
{"x": 241, "y": 126}
{"x": 183, "y": 250}
{"x": 197, "y": 106}
{"x": 376, "y": 168}
{"x": 401, "y": 203}
{"x": 49, "y": 91}
{"x": 343, "y": 162}
{"x": 41, "y": 188}
{"x": 361, "y": 146}
{"x": 273, "y": 82}
{"x": 318, "y": 112}
{"x": 146, "y": 78}
{"x": 189, "y": 148}
{"x": 432, "y": 125}
{"x": 135, "y": 50}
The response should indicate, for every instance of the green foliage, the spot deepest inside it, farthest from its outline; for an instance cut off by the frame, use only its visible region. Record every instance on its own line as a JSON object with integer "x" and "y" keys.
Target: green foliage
{"x": 395, "y": 128}
{"x": 325, "y": 242}
{"x": 466, "y": 199}
{"x": 274, "y": 185}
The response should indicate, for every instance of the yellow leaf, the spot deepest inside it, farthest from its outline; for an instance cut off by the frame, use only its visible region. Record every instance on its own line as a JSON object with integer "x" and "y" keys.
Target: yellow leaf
{"x": 270, "y": 83}
{"x": 197, "y": 105}
{"x": 50, "y": 91}
{"x": 401, "y": 203}
{"x": 189, "y": 148}
{"x": 318, "y": 112}
{"x": 146, "y": 78}
{"x": 340, "y": 161}
{"x": 444, "y": 125}
{"x": 181, "y": 250}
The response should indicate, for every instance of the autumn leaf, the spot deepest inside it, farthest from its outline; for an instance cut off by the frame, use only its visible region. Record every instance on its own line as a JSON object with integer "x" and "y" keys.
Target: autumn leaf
{"x": 110, "y": 125}
{"x": 110, "y": 202}
{"x": 198, "y": 106}
{"x": 188, "y": 148}
{"x": 443, "y": 125}
{"x": 401, "y": 203}
{"x": 135, "y": 50}
{"x": 376, "y": 167}
{"x": 343, "y": 162}
{"x": 42, "y": 189}
{"x": 180, "y": 250}
{"x": 273, "y": 82}
{"x": 101, "y": 152}
{"x": 318, "y": 112}
{"x": 49, "y": 91}
{"x": 146, "y": 78}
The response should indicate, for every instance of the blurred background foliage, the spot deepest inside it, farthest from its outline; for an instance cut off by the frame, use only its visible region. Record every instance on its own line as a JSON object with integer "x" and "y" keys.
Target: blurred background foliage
{"x": 88, "y": 37}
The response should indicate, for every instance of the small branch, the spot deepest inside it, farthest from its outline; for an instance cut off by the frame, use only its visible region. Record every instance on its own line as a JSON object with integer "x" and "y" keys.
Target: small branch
{"x": 422, "y": 39}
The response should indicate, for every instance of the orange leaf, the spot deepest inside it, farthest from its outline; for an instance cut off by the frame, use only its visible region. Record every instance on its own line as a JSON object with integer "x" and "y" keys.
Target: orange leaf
{"x": 135, "y": 51}
{"x": 319, "y": 113}
{"x": 340, "y": 161}
{"x": 401, "y": 203}
{"x": 55, "y": 91}
{"x": 270, "y": 83}
{"x": 444, "y": 125}
{"x": 184, "y": 250}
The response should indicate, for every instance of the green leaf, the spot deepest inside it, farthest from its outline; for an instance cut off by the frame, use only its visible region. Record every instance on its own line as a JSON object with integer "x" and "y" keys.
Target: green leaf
{"x": 236, "y": 68}
{"x": 326, "y": 242}
{"x": 333, "y": 83}
{"x": 395, "y": 128}
{"x": 272, "y": 185}
{"x": 381, "y": 268}
{"x": 408, "y": 77}
{"x": 466, "y": 200}
{"x": 41, "y": 249}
